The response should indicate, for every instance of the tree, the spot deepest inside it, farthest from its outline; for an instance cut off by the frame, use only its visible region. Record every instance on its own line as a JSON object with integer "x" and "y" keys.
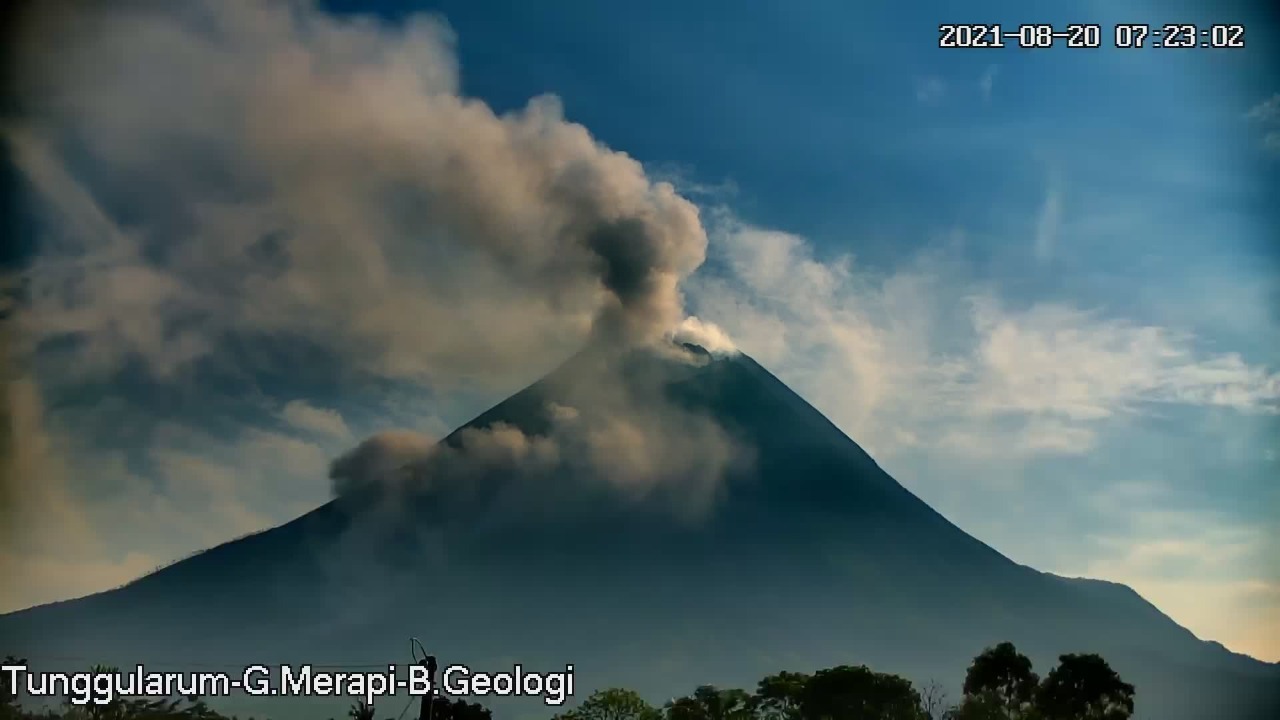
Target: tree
{"x": 361, "y": 711}
{"x": 999, "y": 684}
{"x": 684, "y": 708}
{"x": 612, "y": 704}
{"x": 117, "y": 708}
{"x": 459, "y": 709}
{"x": 1084, "y": 687}
{"x": 145, "y": 709}
{"x": 858, "y": 693}
{"x": 933, "y": 701}
{"x": 988, "y": 706}
{"x": 9, "y": 709}
{"x": 780, "y": 696}
{"x": 710, "y": 703}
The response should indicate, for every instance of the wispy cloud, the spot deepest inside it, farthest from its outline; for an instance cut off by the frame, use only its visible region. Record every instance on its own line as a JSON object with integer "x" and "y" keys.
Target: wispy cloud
{"x": 987, "y": 83}
{"x": 1266, "y": 117}
{"x": 1054, "y": 359}
{"x": 928, "y": 349}
{"x": 1267, "y": 111}
{"x": 1048, "y": 222}
{"x": 930, "y": 90}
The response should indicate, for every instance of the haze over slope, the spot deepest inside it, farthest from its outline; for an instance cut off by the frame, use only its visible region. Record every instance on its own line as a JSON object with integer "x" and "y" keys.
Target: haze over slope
{"x": 776, "y": 542}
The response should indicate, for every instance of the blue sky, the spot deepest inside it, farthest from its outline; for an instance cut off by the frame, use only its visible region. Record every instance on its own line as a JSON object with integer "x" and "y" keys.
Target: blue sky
{"x": 1038, "y": 286}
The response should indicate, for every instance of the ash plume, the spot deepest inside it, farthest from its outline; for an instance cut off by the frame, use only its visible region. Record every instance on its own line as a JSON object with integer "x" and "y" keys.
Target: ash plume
{"x": 245, "y": 187}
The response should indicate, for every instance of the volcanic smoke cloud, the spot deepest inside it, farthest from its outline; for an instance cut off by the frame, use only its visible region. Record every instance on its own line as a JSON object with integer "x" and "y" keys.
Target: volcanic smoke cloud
{"x": 250, "y": 168}
{"x": 229, "y": 182}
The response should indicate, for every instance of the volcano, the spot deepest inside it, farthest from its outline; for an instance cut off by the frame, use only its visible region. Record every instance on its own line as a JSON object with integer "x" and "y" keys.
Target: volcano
{"x": 803, "y": 554}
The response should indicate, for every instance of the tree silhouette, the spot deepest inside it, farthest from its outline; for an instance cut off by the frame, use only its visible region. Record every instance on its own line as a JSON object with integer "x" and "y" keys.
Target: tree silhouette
{"x": 117, "y": 708}
{"x": 711, "y": 703}
{"x": 933, "y": 701}
{"x": 459, "y": 709}
{"x": 1084, "y": 687}
{"x": 987, "y": 706}
{"x": 780, "y": 696}
{"x": 859, "y": 693}
{"x": 612, "y": 704}
{"x": 9, "y": 709}
{"x": 360, "y": 711}
{"x": 999, "y": 684}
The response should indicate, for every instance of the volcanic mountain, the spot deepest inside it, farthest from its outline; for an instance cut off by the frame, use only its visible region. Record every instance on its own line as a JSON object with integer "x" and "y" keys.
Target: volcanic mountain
{"x": 801, "y": 553}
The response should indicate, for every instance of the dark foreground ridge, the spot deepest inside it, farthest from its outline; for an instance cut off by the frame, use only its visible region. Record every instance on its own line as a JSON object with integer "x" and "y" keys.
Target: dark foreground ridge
{"x": 809, "y": 555}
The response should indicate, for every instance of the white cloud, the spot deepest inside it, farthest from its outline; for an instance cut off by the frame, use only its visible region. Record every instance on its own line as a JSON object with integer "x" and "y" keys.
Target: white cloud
{"x": 708, "y": 336}
{"x": 1055, "y": 359}
{"x": 1266, "y": 116}
{"x": 303, "y": 415}
{"x": 1267, "y": 111}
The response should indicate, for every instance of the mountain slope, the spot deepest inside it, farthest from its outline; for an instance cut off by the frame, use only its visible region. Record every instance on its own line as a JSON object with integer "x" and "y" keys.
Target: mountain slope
{"x": 807, "y": 554}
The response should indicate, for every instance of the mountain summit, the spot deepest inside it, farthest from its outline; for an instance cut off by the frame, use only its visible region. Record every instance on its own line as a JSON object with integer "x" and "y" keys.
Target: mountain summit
{"x": 655, "y": 518}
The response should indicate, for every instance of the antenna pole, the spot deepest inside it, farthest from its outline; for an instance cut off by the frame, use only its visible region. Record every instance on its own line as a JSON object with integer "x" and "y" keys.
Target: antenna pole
{"x": 428, "y": 700}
